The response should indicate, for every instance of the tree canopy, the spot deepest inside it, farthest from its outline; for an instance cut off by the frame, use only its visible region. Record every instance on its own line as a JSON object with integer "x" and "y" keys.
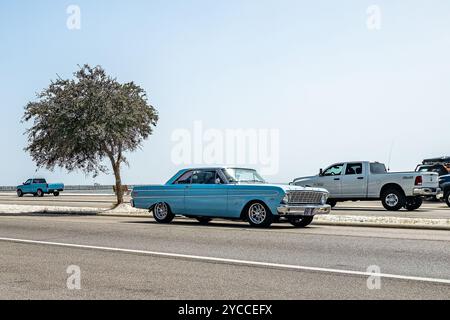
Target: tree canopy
{"x": 78, "y": 123}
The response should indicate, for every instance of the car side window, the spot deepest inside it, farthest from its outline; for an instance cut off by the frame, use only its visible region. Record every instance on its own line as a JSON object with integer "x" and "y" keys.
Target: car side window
{"x": 28, "y": 182}
{"x": 204, "y": 177}
{"x": 185, "y": 178}
{"x": 353, "y": 168}
{"x": 335, "y": 170}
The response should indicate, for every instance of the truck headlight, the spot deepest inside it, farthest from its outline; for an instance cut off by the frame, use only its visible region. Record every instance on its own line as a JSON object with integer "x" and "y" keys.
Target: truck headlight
{"x": 285, "y": 199}
{"x": 324, "y": 198}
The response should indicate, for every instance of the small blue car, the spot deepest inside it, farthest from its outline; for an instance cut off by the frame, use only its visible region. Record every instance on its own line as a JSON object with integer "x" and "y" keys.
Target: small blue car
{"x": 230, "y": 193}
{"x": 39, "y": 187}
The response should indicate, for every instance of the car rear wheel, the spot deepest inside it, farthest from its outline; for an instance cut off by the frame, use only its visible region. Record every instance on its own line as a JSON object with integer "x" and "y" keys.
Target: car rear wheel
{"x": 20, "y": 193}
{"x": 413, "y": 203}
{"x": 259, "y": 215}
{"x": 447, "y": 198}
{"x": 56, "y": 193}
{"x": 203, "y": 220}
{"x": 40, "y": 193}
{"x": 301, "y": 222}
{"x": 393, "y": 199}
{"x": 162, "y": 213}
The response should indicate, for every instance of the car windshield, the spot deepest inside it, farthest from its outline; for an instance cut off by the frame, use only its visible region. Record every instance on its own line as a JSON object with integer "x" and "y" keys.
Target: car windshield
{"x": 242, "y": 175}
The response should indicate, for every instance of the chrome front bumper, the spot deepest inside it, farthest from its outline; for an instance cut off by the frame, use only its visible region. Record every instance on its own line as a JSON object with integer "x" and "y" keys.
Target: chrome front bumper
{"x": 303, "y": 210}
{"x": 426, "y": 191}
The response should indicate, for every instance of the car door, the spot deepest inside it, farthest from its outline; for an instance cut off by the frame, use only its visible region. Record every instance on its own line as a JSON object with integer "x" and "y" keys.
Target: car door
{"x": 354, "y": 181}
{"x": 26, "y": 187}
{"x": 207, "y": 195}
{"x": 331, "y": 179}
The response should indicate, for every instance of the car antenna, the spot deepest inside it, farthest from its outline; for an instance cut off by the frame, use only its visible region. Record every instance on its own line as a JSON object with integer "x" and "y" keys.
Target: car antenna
{"x": 390, "y": 155}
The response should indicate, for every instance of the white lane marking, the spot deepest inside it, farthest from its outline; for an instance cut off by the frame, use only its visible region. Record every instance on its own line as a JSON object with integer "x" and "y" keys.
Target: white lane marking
{"x": 231, "y": 261}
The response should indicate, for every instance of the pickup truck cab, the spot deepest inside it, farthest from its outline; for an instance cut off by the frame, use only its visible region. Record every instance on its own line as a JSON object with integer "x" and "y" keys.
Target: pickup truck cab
{"x": 38, "y": 188}
{"x": 364, "y": 180}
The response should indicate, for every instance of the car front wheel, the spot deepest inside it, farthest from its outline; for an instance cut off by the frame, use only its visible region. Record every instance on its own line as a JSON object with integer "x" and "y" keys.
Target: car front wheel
{"x": 20, "y": 193}
{"x": 162, "y": 213}
{"x": 301, "y": 222}
{"x": 259, "y": 215}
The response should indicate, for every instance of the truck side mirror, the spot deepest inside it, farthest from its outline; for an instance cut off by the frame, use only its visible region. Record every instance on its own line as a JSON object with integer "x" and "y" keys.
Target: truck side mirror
{"x": 321, "y": 172}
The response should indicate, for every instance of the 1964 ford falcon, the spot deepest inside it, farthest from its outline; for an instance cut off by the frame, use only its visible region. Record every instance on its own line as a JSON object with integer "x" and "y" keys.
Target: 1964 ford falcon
{"x": 230, "y": 193}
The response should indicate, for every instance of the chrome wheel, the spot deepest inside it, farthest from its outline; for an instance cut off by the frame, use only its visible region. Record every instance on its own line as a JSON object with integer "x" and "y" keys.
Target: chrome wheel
{"x": 161, "y": 211}
{"x": 257, "y": 213}
{"x": 392, "y": 200}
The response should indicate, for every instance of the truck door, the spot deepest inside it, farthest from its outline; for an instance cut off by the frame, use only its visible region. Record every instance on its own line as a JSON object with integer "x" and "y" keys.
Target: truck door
{"x": 331, "y": 180}
{"x": 354, "y": 181}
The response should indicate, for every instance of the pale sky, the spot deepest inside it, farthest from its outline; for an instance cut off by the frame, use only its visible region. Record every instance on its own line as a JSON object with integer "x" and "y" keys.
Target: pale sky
{"x": 333, "y": 88}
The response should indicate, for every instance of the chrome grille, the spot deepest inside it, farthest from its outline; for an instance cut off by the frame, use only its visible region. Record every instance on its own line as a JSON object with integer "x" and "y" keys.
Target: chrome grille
{"x": 305, "y": 197}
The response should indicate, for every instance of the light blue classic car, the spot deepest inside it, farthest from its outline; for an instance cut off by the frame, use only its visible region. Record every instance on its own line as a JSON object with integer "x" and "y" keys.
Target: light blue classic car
{"x": 230, "y": 193}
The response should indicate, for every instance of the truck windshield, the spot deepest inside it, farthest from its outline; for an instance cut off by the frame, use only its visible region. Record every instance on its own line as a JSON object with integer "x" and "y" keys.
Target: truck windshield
{"x": 377, "y": 168}
{"x": 242, "y": 175}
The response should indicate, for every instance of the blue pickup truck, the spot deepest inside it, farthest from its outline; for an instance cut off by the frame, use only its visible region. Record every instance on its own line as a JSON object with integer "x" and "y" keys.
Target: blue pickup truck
{"x": 39, "y": 187}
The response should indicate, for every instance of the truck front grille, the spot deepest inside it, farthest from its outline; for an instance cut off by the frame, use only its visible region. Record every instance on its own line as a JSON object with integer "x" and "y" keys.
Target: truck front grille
{"x": 305, "y": 197}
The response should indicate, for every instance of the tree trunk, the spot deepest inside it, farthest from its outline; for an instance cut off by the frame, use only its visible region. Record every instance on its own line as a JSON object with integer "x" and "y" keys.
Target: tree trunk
{"x": 119, "y": 191}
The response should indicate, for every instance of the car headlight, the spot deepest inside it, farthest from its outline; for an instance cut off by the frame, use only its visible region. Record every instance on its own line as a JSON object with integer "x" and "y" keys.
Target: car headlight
{"x": 324, "y": 198}
{"x": 285, "y": 199}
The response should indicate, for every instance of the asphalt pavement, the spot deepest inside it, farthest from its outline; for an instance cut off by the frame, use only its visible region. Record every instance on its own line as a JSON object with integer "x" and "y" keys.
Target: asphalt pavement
{"x": 135, "y": 258}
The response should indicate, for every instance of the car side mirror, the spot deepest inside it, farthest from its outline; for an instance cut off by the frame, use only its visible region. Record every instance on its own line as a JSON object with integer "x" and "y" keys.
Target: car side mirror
{"x": 321, "y": 172}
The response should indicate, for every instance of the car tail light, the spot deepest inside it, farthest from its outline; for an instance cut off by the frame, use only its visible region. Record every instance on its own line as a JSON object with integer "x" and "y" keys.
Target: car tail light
{"x": 418, "y": 181}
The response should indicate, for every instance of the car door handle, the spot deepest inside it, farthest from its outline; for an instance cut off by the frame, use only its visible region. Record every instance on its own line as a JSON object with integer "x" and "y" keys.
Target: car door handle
{"x": 360, "y": 178}
{"x": 337, "y": 179}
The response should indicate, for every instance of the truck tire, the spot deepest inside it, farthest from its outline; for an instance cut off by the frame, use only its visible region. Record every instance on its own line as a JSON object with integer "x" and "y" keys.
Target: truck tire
{"x": 413, "y": 203}
{"x": 56, "y": 193}
{"x": 332, "y": 202}
{"x": 393, "y": 199}
{"x": 447, "y": 197}
{"x": 19, "y": 193}
{"x": 301, "y": 222}
{"x": 259, "y": 215}
{"x": 162, "y": 213}
{"x": 40, "y": 193}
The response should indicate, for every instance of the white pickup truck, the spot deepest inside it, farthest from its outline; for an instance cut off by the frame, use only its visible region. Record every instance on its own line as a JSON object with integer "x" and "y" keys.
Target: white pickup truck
{"x": 364, "y": 180}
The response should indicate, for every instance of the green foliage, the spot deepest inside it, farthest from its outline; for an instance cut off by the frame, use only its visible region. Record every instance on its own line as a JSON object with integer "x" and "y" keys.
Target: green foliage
{"x": 80, "y": 122}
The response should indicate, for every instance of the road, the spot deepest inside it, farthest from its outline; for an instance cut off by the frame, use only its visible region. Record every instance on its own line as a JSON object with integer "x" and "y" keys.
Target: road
{"x": 135, "y": 258}
{"x": 103, "y": 201}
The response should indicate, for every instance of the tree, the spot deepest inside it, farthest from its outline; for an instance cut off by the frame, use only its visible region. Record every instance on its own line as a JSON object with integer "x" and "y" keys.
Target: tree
{"x": 79, "y": 123}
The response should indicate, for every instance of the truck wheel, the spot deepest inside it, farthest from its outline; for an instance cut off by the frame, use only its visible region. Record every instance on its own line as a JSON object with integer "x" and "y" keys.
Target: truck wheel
{"x": 20, "y": 193}
{"x": 259, "y": 215}
{"x": 413, "y": 203}
{"x": 162, "y": 213}
{"x": 332, "y": 203}
{"x": 40, "y": 193}
{"x": 203, "y": 220}
{"x": 393, "y": 199}
{"x": 56, "y": 193}
{"x": 301, "y": 222}
{"x": 447, "y": 198}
